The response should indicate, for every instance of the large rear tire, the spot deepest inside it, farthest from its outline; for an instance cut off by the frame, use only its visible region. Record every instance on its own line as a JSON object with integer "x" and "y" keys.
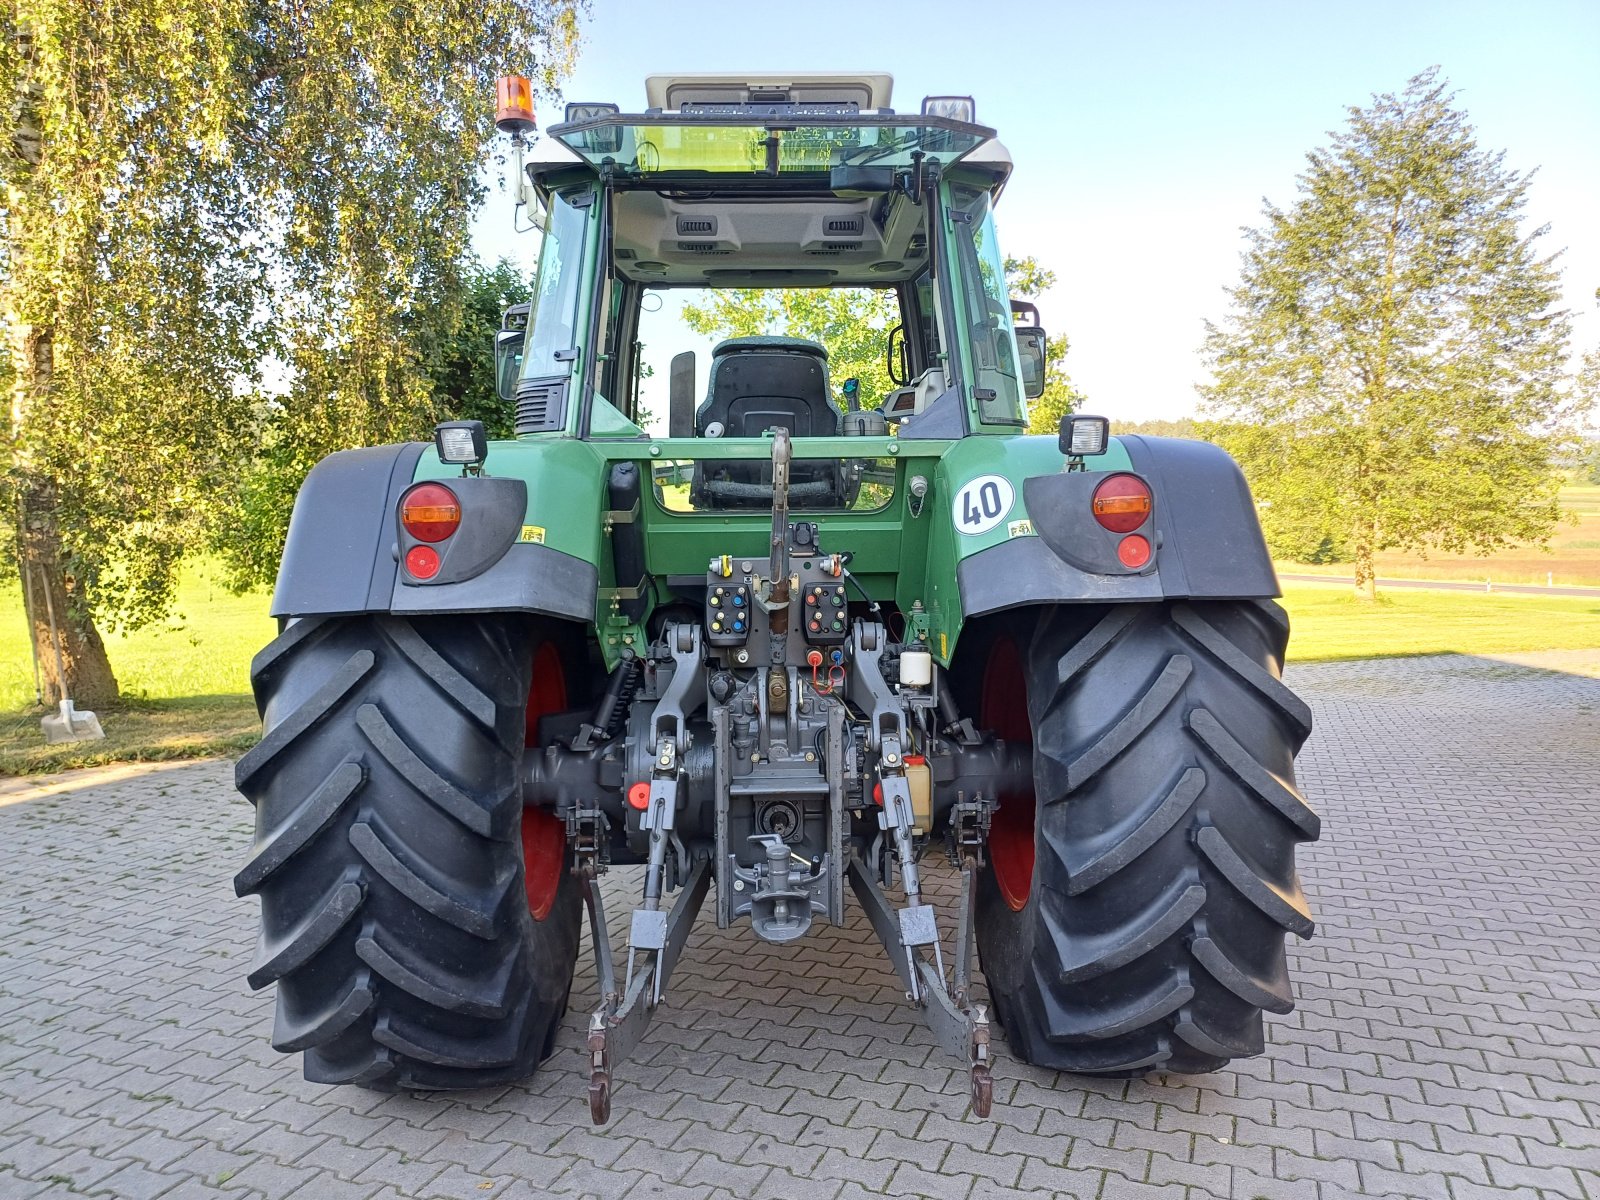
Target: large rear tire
{"x": 410, "y": 947}
{"x": 1133, "y": 912}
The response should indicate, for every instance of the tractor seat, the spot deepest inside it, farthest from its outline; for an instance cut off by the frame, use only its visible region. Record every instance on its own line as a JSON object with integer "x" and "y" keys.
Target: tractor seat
{"x": 762, "y": 383}
{"x": 758, "y": 383}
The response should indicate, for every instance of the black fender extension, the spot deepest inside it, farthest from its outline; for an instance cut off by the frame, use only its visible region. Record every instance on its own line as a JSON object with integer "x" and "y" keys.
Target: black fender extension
{"x": 1207, "y": 536}
{"x": 344, "y": 545}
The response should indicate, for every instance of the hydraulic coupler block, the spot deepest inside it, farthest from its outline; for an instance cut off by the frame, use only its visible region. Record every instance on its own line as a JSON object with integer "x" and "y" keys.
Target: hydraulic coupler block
{"x": 727, "y": 613}
{"x": 826, "y": 618}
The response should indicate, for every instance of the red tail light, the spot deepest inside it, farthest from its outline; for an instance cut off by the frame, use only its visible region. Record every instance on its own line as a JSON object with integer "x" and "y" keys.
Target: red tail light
{"x": 430, "y": 512}
{"x": 422, "y": 562}
{"x": 1133, "y": 551}
{"x": 1122, "y": 503}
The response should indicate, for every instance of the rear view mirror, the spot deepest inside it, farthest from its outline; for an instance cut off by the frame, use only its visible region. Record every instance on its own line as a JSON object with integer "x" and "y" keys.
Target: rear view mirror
{"x": 680, "y": 396}
{"x": 507, "y": 361}
{"x": 508, "y": 349}
{"x": 1031, "y": 348}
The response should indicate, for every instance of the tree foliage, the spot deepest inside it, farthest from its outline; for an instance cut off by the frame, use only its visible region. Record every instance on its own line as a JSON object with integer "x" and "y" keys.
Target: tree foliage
{"x": 192, "y": 191}
{"x": 462, "y": 374}
{"x": 1028, "y": 279}
{"x": 1182, "y": 427}
{"x": 1391, "y": 370}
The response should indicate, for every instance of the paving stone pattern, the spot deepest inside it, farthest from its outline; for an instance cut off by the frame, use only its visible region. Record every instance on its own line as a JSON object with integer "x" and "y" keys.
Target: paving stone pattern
{"x": 1446, "y": 1044}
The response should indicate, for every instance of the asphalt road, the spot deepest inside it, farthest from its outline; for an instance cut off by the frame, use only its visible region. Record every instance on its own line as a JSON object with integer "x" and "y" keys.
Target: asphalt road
{"x": 1453, "y": 585}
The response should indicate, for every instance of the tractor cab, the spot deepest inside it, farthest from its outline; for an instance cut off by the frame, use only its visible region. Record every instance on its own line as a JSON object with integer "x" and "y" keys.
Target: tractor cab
{"x": 744, "y": 198}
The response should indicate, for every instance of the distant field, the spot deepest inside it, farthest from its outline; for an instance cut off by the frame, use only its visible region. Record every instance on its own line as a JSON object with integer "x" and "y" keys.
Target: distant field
{"x": 1572, "y": 561}
{"x": 188, "y": 679}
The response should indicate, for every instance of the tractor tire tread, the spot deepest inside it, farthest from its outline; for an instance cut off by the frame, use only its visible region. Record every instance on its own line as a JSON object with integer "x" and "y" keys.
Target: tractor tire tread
{"x": 283, "y": 843}
{"x": 1167, "y": 819}
{"x": 387, "y": 859}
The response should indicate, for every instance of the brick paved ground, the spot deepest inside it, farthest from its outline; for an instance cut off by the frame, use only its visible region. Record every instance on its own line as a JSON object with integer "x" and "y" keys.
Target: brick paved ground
{"x": 1447, "y": 1042}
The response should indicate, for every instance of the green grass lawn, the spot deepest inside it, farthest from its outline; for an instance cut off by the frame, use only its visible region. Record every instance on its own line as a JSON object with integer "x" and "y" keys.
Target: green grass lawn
{"x": 188, "y": 679}
{"x": 1329, "y": 623}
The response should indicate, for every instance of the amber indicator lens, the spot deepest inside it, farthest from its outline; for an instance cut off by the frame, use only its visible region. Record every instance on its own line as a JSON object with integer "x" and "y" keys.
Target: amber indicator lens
{"x": 1122, "y": 503}
{"x": 513, "y": 104}
{"x": 430, "y": 512}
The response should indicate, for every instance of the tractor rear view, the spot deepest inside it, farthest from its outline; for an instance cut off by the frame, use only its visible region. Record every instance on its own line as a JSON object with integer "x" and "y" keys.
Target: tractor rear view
{"x": 815, "y": 636}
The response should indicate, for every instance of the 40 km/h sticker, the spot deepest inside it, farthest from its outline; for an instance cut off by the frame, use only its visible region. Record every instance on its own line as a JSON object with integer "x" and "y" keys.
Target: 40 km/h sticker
{"x": 983, "y": 504}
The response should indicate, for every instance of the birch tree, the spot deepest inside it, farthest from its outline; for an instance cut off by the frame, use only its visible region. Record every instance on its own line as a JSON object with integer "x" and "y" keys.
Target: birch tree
{"x": 192, "y": 190}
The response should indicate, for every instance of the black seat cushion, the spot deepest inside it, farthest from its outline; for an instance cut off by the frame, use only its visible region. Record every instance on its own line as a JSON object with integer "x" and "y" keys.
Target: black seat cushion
{"x": 762, "y": 383}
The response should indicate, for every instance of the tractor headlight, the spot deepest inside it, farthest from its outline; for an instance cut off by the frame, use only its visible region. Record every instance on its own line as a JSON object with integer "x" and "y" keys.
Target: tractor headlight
{"x": 461, "y": 443}
{"x": 1084, "y": 435}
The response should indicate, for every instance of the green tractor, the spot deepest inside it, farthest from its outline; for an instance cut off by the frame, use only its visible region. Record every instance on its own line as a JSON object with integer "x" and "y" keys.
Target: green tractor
{"x": 797, "y": 647}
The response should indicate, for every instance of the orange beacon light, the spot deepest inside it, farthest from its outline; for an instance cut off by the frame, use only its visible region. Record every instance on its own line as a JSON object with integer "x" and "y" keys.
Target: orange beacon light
{"x": 513, "y": 104}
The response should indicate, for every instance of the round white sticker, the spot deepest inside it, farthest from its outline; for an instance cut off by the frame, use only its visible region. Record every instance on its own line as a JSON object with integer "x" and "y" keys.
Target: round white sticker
{"x": 983, "y": 504}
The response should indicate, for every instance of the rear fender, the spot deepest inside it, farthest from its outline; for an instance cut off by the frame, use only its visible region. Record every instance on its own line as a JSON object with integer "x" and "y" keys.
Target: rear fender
{"x": 1048, "y": 549}
{"x": 345, "y": 541}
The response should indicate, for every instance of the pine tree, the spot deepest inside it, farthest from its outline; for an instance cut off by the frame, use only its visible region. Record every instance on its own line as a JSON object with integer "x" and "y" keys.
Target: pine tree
{"x": 1391, "y": 373}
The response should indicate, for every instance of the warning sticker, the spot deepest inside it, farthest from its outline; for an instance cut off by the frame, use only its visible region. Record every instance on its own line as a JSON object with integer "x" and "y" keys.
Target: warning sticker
{"x": 1020, "y": 528}
{"x": 532, "y": 533}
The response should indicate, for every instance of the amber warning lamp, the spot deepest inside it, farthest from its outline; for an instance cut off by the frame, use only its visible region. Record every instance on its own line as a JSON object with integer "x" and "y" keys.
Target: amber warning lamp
{"x": 513, "y": 104}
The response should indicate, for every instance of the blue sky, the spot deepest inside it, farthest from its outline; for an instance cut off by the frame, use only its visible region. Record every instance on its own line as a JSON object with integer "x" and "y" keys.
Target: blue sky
{"x": 1145, "y": 134}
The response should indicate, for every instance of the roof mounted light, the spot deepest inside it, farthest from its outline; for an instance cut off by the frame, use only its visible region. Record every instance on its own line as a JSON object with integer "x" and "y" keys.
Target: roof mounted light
{"x": 590, "y": 112}
{"x": 956, "y": 108}
{"x": 513, "y": 105}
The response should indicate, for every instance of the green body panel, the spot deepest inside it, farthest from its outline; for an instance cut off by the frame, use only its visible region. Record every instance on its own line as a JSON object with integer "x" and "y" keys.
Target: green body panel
{"x": 900, "y": 557}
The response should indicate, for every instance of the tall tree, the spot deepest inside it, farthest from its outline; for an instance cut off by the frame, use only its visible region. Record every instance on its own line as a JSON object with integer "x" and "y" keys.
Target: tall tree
{"x": 1391, "y": 370}
{"x": 189, "y": 187}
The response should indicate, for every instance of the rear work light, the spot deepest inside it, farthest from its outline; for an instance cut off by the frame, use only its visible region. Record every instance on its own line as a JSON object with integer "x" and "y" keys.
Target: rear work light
{"x": 430, "y": 512}
{"x": 1122, "y": 503}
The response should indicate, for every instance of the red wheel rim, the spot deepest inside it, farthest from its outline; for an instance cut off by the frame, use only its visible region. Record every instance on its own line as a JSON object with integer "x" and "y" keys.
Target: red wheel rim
{"x": 544, "y": 838}
{"x": 1003, "y": 709}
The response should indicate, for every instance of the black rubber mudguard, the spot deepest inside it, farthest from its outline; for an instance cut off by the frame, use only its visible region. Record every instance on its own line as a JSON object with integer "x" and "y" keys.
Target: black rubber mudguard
{"x": 344, "y": 544}
{"x": 1208, "y": 539}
